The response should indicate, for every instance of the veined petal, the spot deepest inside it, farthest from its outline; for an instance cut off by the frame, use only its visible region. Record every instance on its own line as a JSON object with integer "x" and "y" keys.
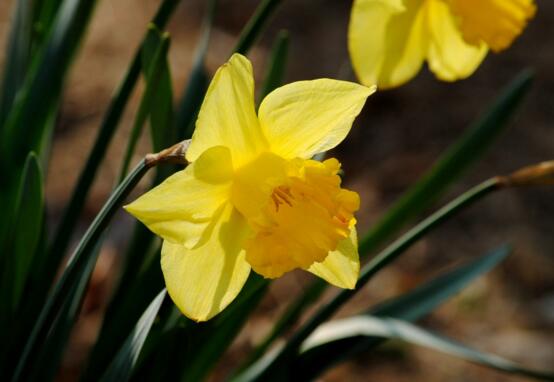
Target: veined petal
{"x": 342, "y": 266}
{"x": 450, "y": 57}
{"x": 308, "y": 117}
{"x": 386, "y": 41}
{"x": 181, "y": 208}
{"x": 204, "y": 280}
{"x": 227, "y": 116}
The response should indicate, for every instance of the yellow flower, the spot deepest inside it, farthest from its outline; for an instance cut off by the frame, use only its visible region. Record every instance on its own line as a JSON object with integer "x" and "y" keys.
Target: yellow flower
{"x": 252, "y": 198}
{"x": 389, "y": 40}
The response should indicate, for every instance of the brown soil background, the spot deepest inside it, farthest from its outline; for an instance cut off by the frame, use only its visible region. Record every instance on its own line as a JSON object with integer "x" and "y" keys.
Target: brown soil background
{"x": 399, "y": 135}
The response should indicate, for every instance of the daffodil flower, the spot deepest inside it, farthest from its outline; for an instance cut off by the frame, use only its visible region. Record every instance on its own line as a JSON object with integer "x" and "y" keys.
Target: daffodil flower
{"x": 251, "y": 197}
{"x": 389, "y": 40}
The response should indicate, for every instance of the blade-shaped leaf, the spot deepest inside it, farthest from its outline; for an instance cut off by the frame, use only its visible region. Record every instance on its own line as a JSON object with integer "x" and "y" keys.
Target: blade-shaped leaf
{"x": 17, "y": 56}
{"x": 410, "y": 306}
{"x": 157, "y": 66}
{"x": 390, "y": 328}
{"x": 76, "y": 270}
{"x": 256, "y": 25}
{"x": 125, "y": 360}
{"x": 158, "y": 76}
{"x": 27, "y": 228}
{"x": 110, "y": 122}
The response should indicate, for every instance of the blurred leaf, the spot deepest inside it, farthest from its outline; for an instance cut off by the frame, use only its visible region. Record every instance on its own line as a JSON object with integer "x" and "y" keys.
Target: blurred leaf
{"x": 26, "y": 233}
{"x": 17, "y": 56}
{"x": 28, "y": 226}
{"x": 410, "y": 306}
{"x": 64, "y": 233}
{"x": 157, "y": 67}
{"x": 122, "y": 366}
{"x": 452, "y": 164}
{"x": 158, "y": 76}
{"x": 448, "y": 169}
{"x": 198, "y": 82}
{"x": 277, "y": 64}
{"x": 187, "y": 351}
{"x": 390, "y": 328}
{"x": 75, "y": 271}
{"x": 43, "y": 84}
{"x": 256, "y": 25}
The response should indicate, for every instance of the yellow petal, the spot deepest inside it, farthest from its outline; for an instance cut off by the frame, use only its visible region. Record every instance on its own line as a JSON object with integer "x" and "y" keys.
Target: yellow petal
{"x": 342, "y": 266}
{"x": 450, "y": 56}
{"x": 180, "y": 209}
{"x": 308, "y": 117}
{"x": 204, "y": 280}
{"x": 227, "y": 116}
{"x": 386, "y": 41}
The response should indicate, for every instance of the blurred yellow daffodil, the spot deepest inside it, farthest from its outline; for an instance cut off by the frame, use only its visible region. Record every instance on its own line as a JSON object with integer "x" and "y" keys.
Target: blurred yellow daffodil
{"x": 251, "y": 197}
{"x": 389, "y": 40}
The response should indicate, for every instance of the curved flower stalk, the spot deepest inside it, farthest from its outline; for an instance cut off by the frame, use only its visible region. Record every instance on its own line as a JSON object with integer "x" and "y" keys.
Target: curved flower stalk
{"x": 389, "y": 40}
{"x": 252, "y": 198}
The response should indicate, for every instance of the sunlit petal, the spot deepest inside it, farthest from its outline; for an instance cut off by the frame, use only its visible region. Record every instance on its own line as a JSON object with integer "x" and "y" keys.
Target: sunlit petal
{"x": 227, "y": 116}
{"x": 307, "y": 117}
{"x": 386, "y": 41}
{"x": 204, "y": 280}
{"x": 180, "y": 209}
{"x": 342, "y": 266}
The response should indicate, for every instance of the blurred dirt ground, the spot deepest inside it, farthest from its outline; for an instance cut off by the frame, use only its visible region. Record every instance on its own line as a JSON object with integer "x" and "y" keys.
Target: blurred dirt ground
{"x": 399, "y": 135}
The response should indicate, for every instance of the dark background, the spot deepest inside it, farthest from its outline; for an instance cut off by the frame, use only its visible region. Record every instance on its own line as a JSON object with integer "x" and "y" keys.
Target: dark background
{"x": 398, "y": 136}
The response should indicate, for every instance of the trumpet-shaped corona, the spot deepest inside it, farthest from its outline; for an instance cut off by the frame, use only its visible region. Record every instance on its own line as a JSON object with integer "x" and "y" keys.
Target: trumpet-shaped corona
{"x": 252, "y": 198}
{"x": 389, "y": 40}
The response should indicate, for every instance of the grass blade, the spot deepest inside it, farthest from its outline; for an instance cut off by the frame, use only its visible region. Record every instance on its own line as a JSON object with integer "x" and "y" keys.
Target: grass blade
{"x": 17, "y": 56}
{"x": 157, "y": 66}
{"x": 74, "y": 272}
{"x": 410, "y": 306}
{"x": 64, "y": 233}
{"x": 390, "y": 328}
{"x": 124, "y": 362}
{"x": 256, "y": 25}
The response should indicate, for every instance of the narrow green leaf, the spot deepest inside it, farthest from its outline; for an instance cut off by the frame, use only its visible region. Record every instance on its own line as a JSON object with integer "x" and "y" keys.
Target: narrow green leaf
{"x": 161, "y": 105}
{"x": 156, "y": 70}
{"x": 22, "y": 247}
{"x": 194, "y": 92}
{"x": 43, "y": 85}
{"x": 64, "y": 233}
{"x": 452, "y": 164}
{"x": 17, "y": 56}
{"x": 28, "y": 226}
{"x": 448, "y": 169}
{"x": 74, "y": 272}
{"x": 256, "y": 25}
{"x": 390, "y": 328}
{"x": 410, "y": 306}
{"x": 277, "y": 64}
{"x": 122, "y": 366}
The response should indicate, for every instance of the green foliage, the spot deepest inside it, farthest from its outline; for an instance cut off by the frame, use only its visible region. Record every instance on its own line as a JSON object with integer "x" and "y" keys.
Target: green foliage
{"x": 142, "y": 337}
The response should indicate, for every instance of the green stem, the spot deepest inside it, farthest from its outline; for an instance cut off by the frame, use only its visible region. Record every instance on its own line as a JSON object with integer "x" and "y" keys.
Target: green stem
{"x": 71, "y": 274}
{"x": 388, "y": 255}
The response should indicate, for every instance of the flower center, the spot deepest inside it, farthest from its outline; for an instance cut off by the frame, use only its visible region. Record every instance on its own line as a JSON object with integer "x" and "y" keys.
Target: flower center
{"x": 494, "y": 22}
{"x": 298, "y": 214}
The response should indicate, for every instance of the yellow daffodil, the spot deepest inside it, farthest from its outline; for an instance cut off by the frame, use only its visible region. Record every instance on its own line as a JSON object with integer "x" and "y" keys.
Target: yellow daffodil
{"x": 389, "y": 40}
{"x": 251, "y": 197}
